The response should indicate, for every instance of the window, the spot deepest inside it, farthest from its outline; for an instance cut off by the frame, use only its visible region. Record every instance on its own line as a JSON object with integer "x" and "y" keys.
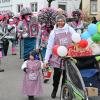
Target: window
{"x": 20, "y": 6}
{"x": 93, "y": 6}
{"x": 4, "y": 1}
{"x": 62, "y": 6}
{"x": 34, "y": 7}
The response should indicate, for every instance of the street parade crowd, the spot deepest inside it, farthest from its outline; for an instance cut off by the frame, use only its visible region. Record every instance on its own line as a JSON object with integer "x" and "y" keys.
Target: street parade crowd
{"x": 39, "y": 38}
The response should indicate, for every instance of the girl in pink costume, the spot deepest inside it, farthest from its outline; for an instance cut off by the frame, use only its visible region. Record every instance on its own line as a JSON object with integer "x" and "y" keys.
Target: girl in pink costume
{"x": 32, "y": 85}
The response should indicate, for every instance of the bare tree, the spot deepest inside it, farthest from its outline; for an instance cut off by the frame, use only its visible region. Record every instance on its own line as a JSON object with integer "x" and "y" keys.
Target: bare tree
{"x": 49, "y": 2}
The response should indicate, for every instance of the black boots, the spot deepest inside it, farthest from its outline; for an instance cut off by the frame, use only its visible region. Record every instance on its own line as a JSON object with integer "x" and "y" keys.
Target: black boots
{"x": 46, "y": 80}
{"x": 31, "y": 98}
{"x": 54, "y": 92}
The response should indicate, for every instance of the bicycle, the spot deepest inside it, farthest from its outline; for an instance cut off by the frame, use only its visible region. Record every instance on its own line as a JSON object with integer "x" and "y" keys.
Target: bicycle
{"x": 73, "y": 87}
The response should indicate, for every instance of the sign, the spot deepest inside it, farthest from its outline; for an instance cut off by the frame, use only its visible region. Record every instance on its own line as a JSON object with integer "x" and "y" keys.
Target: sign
{"x": 34, "y": 29}
{"x": 77, "y": 52}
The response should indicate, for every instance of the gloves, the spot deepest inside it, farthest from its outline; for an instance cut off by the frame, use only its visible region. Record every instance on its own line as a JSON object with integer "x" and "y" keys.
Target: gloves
{"x": 25, "y": 70}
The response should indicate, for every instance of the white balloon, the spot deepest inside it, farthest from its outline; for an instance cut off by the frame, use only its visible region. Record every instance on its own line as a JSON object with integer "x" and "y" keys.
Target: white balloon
{"x": 62, "y": 51}
{"x": 79, "y": 31}
{"x": 76, "y": 38}
{"x": 95, "y": 48}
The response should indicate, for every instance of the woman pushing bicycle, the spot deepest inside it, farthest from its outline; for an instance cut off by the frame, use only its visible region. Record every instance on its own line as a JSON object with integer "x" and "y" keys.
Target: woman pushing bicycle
{"x": 61, "y": 35}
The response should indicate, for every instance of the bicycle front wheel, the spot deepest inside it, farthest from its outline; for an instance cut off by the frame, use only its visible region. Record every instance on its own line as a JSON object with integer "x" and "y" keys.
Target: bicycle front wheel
{"x": 66, "y": 93}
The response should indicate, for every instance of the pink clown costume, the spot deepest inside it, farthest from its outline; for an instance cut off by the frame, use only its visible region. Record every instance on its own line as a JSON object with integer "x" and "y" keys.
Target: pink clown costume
{"x": 32, "y": 87}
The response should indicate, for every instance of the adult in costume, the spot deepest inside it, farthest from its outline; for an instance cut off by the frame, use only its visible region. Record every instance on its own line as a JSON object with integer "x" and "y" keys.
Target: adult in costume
{"x": 28, "y": 31}
{"x": 77, "y": 24}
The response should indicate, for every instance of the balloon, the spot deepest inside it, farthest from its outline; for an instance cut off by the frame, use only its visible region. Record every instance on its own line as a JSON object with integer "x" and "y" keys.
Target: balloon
{"x": 99, "y": 28}
{"x": 85, "y": 35}
{"x": 96, "y": 37}
{"x": 54, "y": 50}
{"x": 97, "y": 58}
{"x": 95, "y": 49}
{"x": 1, "y": 17}
{"x": 92, "y": 29}
{"x": 83, "y": 43}
{"x": 97, "y": 23}
{"x": 90, "y": 42}
{"x": 62, "y": 51}
{"x": 76, "y": 38}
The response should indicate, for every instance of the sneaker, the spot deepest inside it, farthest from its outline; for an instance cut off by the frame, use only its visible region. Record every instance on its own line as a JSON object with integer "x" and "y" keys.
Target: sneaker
{"x": 14, "y": 54}
{"x": 46, "y": 80}
{"x": 1, "y": 70}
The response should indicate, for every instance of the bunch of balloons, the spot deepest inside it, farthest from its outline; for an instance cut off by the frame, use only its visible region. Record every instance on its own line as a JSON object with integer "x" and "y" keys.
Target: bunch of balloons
{"x": 62, "y": 51}
{"x": 92, "y": 32}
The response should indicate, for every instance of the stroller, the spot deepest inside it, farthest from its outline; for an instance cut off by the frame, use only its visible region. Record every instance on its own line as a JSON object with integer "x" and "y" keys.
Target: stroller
{"x": 73, "y": 87}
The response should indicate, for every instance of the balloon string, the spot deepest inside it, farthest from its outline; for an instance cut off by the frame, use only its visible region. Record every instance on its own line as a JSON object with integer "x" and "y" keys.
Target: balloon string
{"x": 89, "y": 45}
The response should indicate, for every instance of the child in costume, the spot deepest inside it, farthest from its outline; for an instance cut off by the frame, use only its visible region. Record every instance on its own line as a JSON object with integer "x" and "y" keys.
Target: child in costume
{"x": 32, "y": 85}
{"x": 12, "y": 31}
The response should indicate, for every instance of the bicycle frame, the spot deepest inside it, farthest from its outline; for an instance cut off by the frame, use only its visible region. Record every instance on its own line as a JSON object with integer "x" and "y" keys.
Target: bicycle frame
{"x": 77, "y": 93}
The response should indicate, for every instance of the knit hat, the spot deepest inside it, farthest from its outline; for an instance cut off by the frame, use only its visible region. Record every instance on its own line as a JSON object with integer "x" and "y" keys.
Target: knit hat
{"x": 60, "y": 17}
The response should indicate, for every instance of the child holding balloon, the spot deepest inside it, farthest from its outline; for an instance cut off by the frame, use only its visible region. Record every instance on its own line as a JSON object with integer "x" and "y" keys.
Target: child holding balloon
{"x": 62, "y": 35}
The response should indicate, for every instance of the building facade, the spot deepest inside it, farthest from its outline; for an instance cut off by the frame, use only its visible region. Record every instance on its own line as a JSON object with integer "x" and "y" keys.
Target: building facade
{"x": 91, "y": 7}
{"x": 16, "y": 5}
